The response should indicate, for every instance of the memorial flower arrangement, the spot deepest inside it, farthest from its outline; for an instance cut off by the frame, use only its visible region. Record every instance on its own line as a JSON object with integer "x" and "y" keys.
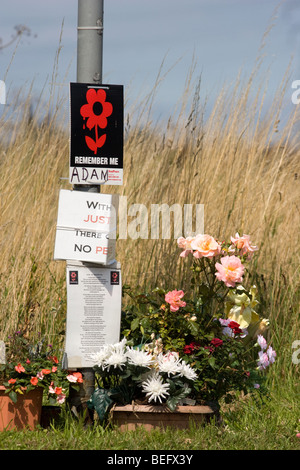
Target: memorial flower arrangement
{"x": 190, "y": 347}
{"x": 30, "y": 365}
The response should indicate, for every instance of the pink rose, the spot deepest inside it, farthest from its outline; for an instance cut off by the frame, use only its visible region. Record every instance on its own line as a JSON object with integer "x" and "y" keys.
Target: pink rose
{"x": 205, "y": 246}
{"x": 230, "y": 271}
{"x": 174, "y": 299}
{"x": 244, "y": 244}
{"x": 185, "y": 244}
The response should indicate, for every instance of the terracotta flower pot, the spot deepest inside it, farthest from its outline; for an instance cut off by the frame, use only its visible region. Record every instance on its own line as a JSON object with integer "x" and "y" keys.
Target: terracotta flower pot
{"x": 26, "y": 413}
{"x": 130, "y": 417}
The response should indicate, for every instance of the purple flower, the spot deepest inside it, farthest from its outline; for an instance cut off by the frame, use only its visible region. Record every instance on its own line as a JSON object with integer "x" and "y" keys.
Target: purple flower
{"x": 271, "y": 354}
{"x": 261, "y": 342}
{"x": 263, "y": 360}
{"x": 266, "y": 358}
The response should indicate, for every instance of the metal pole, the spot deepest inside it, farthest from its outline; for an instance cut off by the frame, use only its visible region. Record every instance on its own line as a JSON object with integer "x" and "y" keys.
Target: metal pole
{"x": 90, "y": 41}
{"x": 89, "y": 51}
{"x": 89, "y": 70}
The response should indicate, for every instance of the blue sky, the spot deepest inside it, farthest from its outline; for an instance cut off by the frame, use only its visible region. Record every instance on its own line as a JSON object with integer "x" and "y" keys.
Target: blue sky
{"x": 223, "y": 37}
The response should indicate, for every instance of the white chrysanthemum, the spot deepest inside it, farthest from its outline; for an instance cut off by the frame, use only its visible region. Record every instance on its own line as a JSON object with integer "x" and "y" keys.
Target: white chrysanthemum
{"x": 120, "y": 347}
{"x": 99, "y": 358}
{"x": 139, "y": 358}
{"x": 187, "y": 371}
{"x": 169, "y": 363}
{"x": 154, "y": 388}
{"x": 116, "y": 360}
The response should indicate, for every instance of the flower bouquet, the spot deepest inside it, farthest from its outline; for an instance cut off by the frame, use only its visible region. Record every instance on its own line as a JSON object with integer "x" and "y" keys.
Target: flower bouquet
{"x": 192, "y": 347}
{"x": 29, "y": 366}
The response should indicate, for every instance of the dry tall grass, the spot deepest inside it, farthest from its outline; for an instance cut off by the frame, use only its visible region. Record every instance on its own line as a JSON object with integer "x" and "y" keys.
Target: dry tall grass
{"x": 240, "y": 162}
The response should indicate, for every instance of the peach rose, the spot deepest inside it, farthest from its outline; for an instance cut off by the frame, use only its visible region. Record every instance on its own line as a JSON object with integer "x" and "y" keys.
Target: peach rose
{"x": 205, "y": 246}
{"x": 243, "y": 244}
{"x": 185, "y": 244}
{"x": 230, "y": 270}
{"x": 174, "y": 299}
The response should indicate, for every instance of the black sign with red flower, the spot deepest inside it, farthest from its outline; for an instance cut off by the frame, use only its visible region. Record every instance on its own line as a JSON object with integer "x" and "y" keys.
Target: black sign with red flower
{"x": 96, "y": 140}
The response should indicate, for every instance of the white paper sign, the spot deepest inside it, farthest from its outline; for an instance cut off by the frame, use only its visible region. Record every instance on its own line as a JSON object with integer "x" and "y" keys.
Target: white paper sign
{"x": 86, "y": 227}
{"x": 94, "y": 296}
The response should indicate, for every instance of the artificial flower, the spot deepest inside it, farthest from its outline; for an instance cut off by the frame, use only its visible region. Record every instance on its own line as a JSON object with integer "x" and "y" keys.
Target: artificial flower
{"x": 168, "y": 363}
{"x": 190, "y": 348}
{"x": 235, "y": 327}
{"x": 263, "y": 360}
{"x": 261, "y": 341}
{"x": 155, "y": 389}
{"x": 187, "y": 371}
{"x": 216, "y": 342}
{"x": 240, "y": 307}
{"x": 205, "y": 246}
{"x": 258, "y": 328}
{"x": 230, "y": 270}
{"x": 100, "y": 357}
{"x": 139, "y": 358}
{"x": 271, "y": 354}
{"x": 243, "y": 244}
{"x": 185, "y": 244}
{"x": 117, "y": 360}
{"x": 174, "y": 299}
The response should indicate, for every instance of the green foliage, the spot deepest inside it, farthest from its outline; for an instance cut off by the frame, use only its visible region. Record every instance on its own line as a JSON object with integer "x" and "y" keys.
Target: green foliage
{"x": 100, "y": 401}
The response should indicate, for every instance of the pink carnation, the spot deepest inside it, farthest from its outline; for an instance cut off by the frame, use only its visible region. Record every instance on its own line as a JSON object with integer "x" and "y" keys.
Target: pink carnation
{"x": 230, "y": 271}
{"x": 205, "y": 246}
{"x": 174, "y": 299}
{"x": 185, "y": 243}
{"x": 244, "y": 244}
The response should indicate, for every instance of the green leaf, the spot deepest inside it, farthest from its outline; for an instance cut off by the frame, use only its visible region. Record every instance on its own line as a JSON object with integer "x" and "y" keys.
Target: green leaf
{"x": 212, "y": 362}
{"x": 52, "y": 401}
{"x": 172, "y": 403}
{"x": 126, "y": 332}
{"x": 13, "y": 396}
{"x": 159, "y": 290}
{"x": 100, "y": 401}
{"x": 194, "y": 328}
{"x": 134, "y": 324}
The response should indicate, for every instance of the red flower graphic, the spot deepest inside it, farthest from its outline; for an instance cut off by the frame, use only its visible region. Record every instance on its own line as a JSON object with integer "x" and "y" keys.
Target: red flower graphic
{"x": 96, "y": 111}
